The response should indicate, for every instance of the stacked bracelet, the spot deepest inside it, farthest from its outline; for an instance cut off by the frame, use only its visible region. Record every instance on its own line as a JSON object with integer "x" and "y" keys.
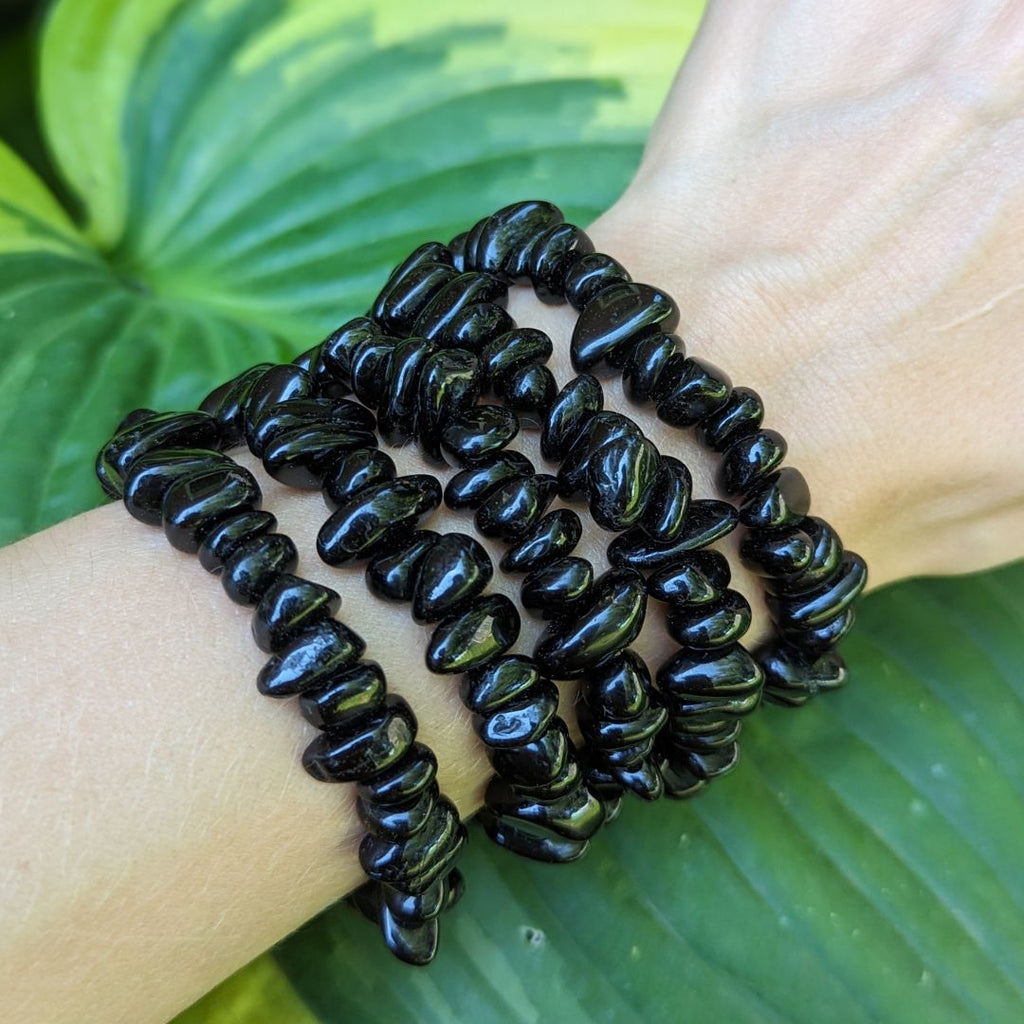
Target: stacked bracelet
{"x": 437, "y": 339}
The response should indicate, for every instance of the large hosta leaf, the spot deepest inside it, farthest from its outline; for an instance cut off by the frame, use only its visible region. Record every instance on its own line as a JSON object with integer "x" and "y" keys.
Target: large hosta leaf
{"x": 246, "y": 170}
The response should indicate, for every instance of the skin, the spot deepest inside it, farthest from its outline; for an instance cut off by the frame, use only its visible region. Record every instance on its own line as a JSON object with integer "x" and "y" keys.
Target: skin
{"x": 847, "y": 239}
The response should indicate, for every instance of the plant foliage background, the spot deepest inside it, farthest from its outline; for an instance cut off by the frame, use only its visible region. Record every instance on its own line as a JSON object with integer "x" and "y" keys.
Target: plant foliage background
{"x": 190, "y": 186}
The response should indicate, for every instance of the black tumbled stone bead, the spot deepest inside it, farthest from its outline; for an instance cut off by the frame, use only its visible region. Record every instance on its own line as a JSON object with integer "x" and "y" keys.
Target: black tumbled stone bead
{"x": 591, "y": 274}
{"x": 289, "y": 607}
{"x": 826, "y": 557}
{"x": 611, "y": 621}
{"x": 700, "y": 389}
{"x": 707, "y": 521}
{"x": 724, "y": 681}
{"x": 741, "y": 414}
{"x": 530, "y": 392}
{"x": 822, "y": 635}
{"x": 618, "y": 688}
{"x": 750, "y": 459}
{"x": 550, "y": 257}
{"x": 311, "y": 660}
{"x": 486, "y": 689}
{"x": 519, "y": 721}
{"x": 577, "y": 814}
{"x": 193, "y": 505}
{"x": 303, "y": 413}
{"x": 527, "y": 841}
{"x": 344, "y": 696}
{"x": 538, "y": 764}
{"x": 486, "y": 628}
{"x": 634, "y": 735}
{"x": 405, "y": 779}
{"x": 552, "y": 537}
{"x": 151, "y": 476}
{"x": 709, "y": 623}
{"x": 776, "y": 552}
{"x": 138, "y": 416}
{"x": 398, "y": 821}
{"x": 369, "y": 744}
{"x": 414, "y": 944}
{"x": 392, "y": 573}
{"x": 469, "y": 487}
{"x": 354, "y": 472}
{"x": 374, "y": 516}
{"x": 510, "y": 232}
{"x": 370, "y": 363}
{"x": 793, "y": 677}
{"x": 454, "y": 570}
{"x": 694, "y": 577}
{"x": 397, "y": 409}
{"x": 559, "y": 588}
{"x": 332, "y": 373}
{"x": 303, "y": 457}
{"x": 780, "y": 500}
{"x": 227, "y": 403}
{"x": 502, "y": 356}
{"x": 512, "y": 510}
{"x": 646, "y": 363}
{"x": 686, "y": 772}
{"x": 253, "y": 566}
{"x": 449, "y": 385}
{"x": 462, "y": 291}
{"x": 475, "y": 325}
{"x": 457, "y": 247}
{"x": 601, "y": 429}
{"x": 230, "y": 534}
{"x": 409, "y": 292}
{"x": 824, "y": 602}
{"x": 621, "y": 478}
{"x": 578, "y": 401}
{"x": 412, "y": 909}
{"x": 282, "y": 383}
{"x": 665, "y": 516}
{"x": 478, "y": 433}
{"x": 619, "y": 316}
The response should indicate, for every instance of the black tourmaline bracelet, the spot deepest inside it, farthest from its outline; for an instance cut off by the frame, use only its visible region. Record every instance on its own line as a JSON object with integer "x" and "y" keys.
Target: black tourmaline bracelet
{"x": 170, "y": 468}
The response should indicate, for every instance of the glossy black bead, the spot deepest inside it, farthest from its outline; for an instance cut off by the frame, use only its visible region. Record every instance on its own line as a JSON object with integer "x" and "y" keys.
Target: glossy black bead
{"x": 281, "y": 383}
{"x": 750, "y": 459}
{"x": 519, "y": 721}
{"x": 502, "y": 681}
{"x": 164, "y": 430}
{"x": 611, "y": 621}
{"x": 550, "y": 257}
{"x": 538, "y": 764}
{"x": 454, "y": 570}
{"x": 311, "y": 660}
{"x": 510, "y": 512}
{"x": 671, "y": 373}
{"x": 618, "y": 688}
{"x": 253, "y": 565}
{"x": 695, "y": 577}
{"x": 577, "y": 814}
{"x": 429, "y": 253}
{"x": 344, "y": 696}
{"x": 559, "y": 588}
{"x": 449, "y": 385}
{"x": 462, "y": 291}
{"x": 793, "y": 677}
{"x": 332, "y": 373}
{"x": 307, "y": 360}
{"x": 302, "y": 413}
{"x": 509, "y": 233}
{"x": 476, "y": 325}
{"x": 370, "y": 362}
{"x": 194, "y": 504}
{"x": 632, "y": 734}
{"x": 529, "y": 841}
{"x": 619, "y": 316}
{"x": 822, "y": 635}
{"x": 227, "y": 403}
{"x": 825, "y": 601}
{"x": 741, "y": 414}
{"x": 457, "y": 247}
{"x": 726, "y": 681}
{"x": 826, "y": 557}
{"x": 303, "y": 457}
{"x": 478, "y": 433}
{"x": 138, "y": 416}
{"x": 700, "y": 389}
{"x": 776, "y": 552}
{"x": 780, "y": 500}
{"x": 601, "y": 429}
{"x": 152, "y": 475}
{"x": 579, "y": 400}
{"x": 371, "y": 743}
{"x": 646, "y": 363}
{"x": 708, "y": 520}
{"x": 398, "y": 821}
{"x": 356, "y": 471}
{"x": 591, "y": 274}
{"x": 644, "y": 781}
{"x": 517, "y": 348}
{"x": 396, "y": 411}
{"x": 427, "y": 905}
{"x": 686, "y": 772}
{"x": 554, "y": 536}
{"x": 413, "y": 864}
{"x": 289, "y": 607}
{"x": 375, "y": 515}
{"x": 469, "y": 487}
{"x": 621, "y": 478}
{"x": 414, "y": 944}
{"x": 405, "y": 779}
{"x": 665, "y": 516}
{"x": 408, "y": 293}
{"x": 392, "y": 573}
{"x": 530, "y": 392}
{"x": 488, "y": 627}
{"x": 230, "y": 534}
{"x": 710, "y": 623}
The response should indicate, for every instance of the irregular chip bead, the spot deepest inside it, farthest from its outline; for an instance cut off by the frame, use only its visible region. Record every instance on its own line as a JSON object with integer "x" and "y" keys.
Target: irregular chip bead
{"x": 591, "y": 274}
{"x": 194, "y": 504}
{"x": 792, "y": 677}
{"x": 750, "y": 459}
{"x": 391, "y": 574}
{"x": 508, "y": 233}
{"x": 478, "y": 433}
{"x": 780, "y": 500}
{"x": 151, "y": 476}
{"x": 700, "y": 389}
{"x": 695, "y": 577}
{"x": 708, "y": 520}
{"x": 454, "y": 570}
{"x": 665, "y": 515}
{"x": 741, "y": 414}
{"x": 512, "y": 510}
{"x": 449, "y": 384}
{"x": 826, "y": 601}
{"x": 709, "y": 624}
{"x": 397, "y": 407}
{"x": 398, "y": 821}
{"x": 230, "y": 534}
{"x": 550, "y": 257}
{"x": 646, "y": 364}
{"x": 726, "y": 681}
{"x": 621, "y": 479}
{"x": 499, "y": 682}
{"x": 226, "y": 403}
{"x": 488, "y": 627}
{"x": 344, "y": 696}
{"x": 516, "y": 349}
{"x": 312, "y": 659}
{"x": 519, "y": 721}
{"x": 469, "y": 487}
{"x": 560, "y": 588}
{"x": 289, "y": 607}
{"x": 406, "y": 778}
{"x": 355, "y": 471}
{"x": 552, "y": 537}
